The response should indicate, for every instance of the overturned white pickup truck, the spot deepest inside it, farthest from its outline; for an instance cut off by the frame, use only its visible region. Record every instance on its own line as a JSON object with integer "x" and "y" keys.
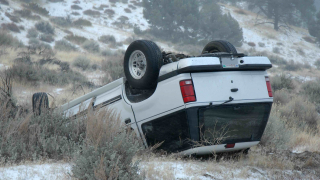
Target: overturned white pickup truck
{"x": 220, "y": 99}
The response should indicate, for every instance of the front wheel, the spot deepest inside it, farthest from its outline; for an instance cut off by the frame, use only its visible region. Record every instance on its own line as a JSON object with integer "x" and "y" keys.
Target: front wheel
{"x": 142, "y": 63}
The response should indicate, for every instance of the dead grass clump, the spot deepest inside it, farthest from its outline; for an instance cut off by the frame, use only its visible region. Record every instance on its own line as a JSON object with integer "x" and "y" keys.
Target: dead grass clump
{"x": 113, "y": 68}
{"x": 32, "y": 33}
{"x": 293, "y": 66}
{"x": 108, "y": 39}
{"x": 309, "y": 39}
{"x": 10, "y": 26}
{"x": 37, "y": 9}
{"x": 110, "y": 12}
{"x": 90, "y": 12}
{"x": 281, "y": 96}
{"x": 82, "y": 62}
{"x": 311, "y": 90}
{"x": 240, "y": 11}
{"x": 82, "y": 22}
{"x": 76, "y": 7}
{"x": 252, "y": 44}
{"x": 76, "y": 39}
{"x": 6, "y": 39}
{"x": 279, "y": 44}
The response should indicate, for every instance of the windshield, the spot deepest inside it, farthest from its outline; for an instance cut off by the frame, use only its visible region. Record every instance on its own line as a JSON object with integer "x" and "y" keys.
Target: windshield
{"x": 233, "y": 123}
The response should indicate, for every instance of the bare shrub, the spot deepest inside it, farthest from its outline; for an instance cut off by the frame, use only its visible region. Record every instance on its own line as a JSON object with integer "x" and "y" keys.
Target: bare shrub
{"x": 311, "y": 90}
{"x": 75, "y": 13}
{"x": 62, "y": 21}
{"x": 282, "y": 81}
{"x": 46, "y": 38}
{"x": 108, "y": 39}
{"x": 64, "y": 45}
{"x": 252, "y": 44}
{"x": 261, "y": 44}
{"x": 81, "y": 62}
{"x": 44, "y": 27}
{"x": 101, "y": 7}
{"x": 132, "y": 6}
{"x": 276, "y": 50}
{"x": 13, "y": 18}
{"x": 240, "y": 11}
{"x": 4, "y": 2}
{"x": 82, "y": 22}
{"x": 279, "y": 44}
{"x": 91, "y": 46}
{"x": 281, "y": 96}
{"x": 113, "y": 68}
{"x": 76, "y": 39}
{"x": 127, "y": 10}
{"x": 301, "y": 52}
{"x": 26, "y": 13}
{"x": 32, "y": 33}
{"x": 37, "y": 9}
{"x": 309, "y": 39}
{"x": 90, "y": 12}
{"x": 110, "y": 12}
{"x": 76, "y": 7}
{"x": 317, "y": 63}
{"x": 300, "y": 114}
{"x": 11, "y": 26}
{"x": 293, "y": 66}
{"x": 109, "y": 149}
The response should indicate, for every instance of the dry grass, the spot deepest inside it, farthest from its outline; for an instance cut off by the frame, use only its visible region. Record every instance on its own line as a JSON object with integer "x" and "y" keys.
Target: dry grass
{"x": 70, "y": 56}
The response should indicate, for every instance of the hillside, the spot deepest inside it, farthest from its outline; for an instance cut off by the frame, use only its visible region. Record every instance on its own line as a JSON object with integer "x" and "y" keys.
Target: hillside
{"x": 82, "y": 48}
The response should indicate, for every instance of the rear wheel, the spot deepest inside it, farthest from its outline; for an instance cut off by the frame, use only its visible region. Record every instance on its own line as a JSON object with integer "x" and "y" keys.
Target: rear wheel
{"x": 219, "y": 46}
{"x": 40, "y": 103}
{"x": 142, "y": 63}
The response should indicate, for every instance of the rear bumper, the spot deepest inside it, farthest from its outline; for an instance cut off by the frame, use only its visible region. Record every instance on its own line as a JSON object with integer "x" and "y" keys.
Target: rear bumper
{"x": 218, "y": 148}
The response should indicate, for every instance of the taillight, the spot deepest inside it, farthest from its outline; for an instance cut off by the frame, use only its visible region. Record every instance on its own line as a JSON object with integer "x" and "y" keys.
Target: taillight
{"x": 187, "y": 91}
{"x": 229, "y": 146}
{"x": 269, "y": 86}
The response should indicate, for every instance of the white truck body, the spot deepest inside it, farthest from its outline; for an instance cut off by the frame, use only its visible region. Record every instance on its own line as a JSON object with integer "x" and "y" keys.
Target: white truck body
{"x": 164, "y": 116}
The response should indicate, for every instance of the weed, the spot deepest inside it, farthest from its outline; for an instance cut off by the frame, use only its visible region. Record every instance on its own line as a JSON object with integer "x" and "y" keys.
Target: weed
{"x": 261, "y": 44}
{"x": 311, "y": 90}
{"x": 252, "y": 44}
{"x": 317, "y": 63}
{"x": 4, "y": 2}
{"x": 240, "y": 11}
{"x": 132, "y": 6}
{"x": 309, "y": 39}
{"x": 127, "y": 10}
{"x": 301, "y": 52}
{"x": 75, "y": 13}
{"x": 293, "y": 66}
{"x": 26, "y": 13}
{"x": 13, "y": 18}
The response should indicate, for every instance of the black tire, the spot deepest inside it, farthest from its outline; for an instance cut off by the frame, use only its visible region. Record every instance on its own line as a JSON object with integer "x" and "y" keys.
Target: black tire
{"x": 40, "y": 103}
{"x": 154, "y": 62}
{"x": 219, "y": 46}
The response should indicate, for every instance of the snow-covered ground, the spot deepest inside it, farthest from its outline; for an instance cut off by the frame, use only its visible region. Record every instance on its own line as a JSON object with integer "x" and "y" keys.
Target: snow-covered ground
{"x": 48, "y": 171}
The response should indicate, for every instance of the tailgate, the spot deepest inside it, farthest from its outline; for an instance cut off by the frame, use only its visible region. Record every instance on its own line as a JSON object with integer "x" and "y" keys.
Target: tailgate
{"x": 218, "y": 86}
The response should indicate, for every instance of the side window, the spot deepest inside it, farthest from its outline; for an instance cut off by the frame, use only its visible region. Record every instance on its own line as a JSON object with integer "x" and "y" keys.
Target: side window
{"x": 172, "y": 130}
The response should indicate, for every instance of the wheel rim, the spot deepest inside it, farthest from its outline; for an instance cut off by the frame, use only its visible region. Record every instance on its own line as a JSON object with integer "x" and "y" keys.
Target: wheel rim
{"x": 137, "y": 64}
